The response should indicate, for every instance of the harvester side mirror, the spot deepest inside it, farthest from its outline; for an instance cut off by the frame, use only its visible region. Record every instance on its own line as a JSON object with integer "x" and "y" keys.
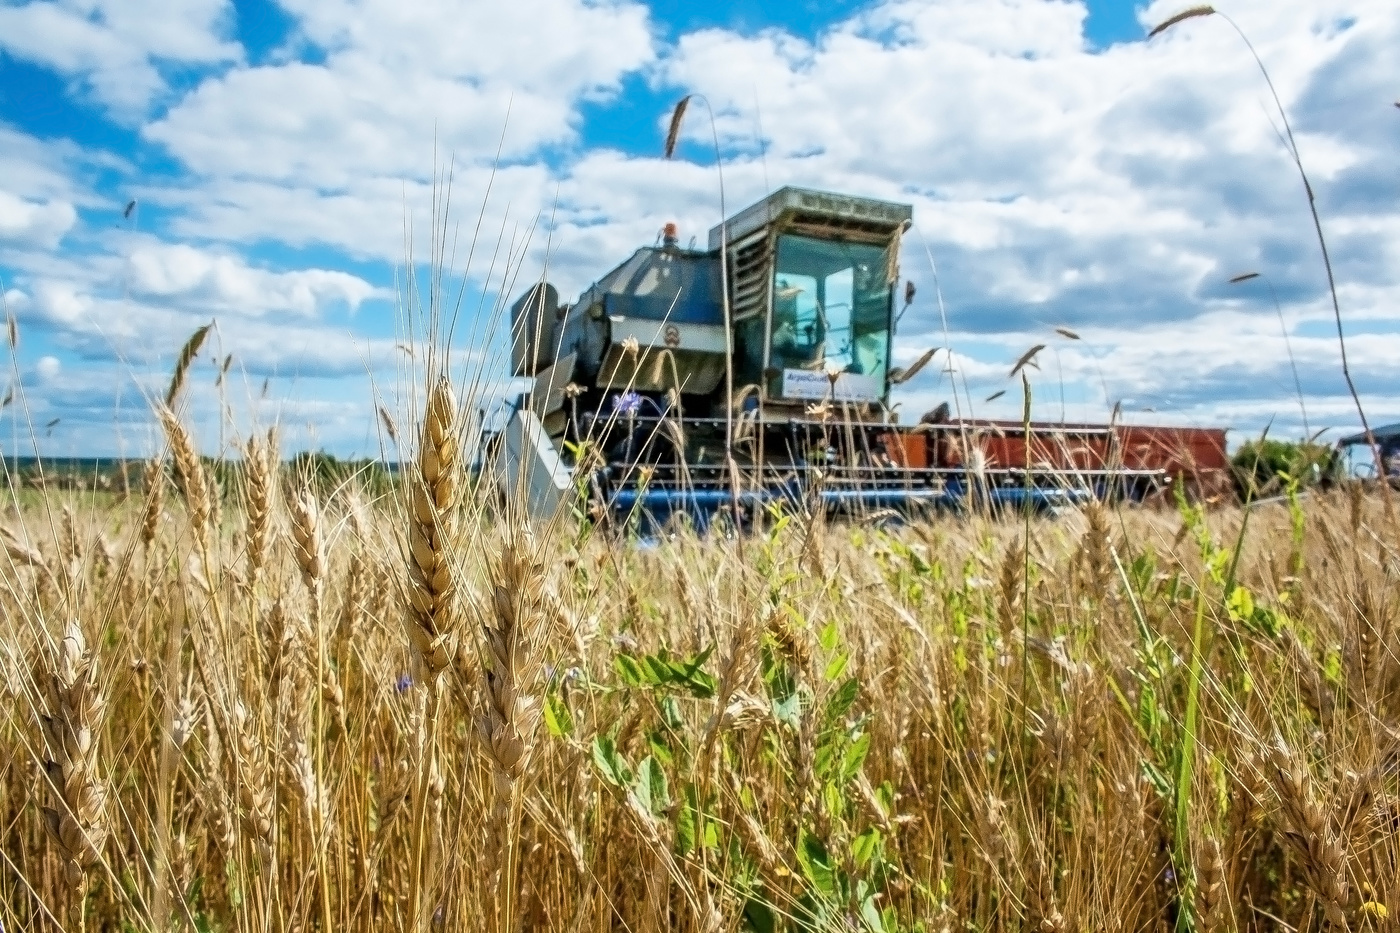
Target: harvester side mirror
{"x": 909, "y": 291}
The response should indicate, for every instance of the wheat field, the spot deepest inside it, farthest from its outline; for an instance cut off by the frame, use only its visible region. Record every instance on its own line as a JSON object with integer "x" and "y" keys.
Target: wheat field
{"x": 271, "y": 704}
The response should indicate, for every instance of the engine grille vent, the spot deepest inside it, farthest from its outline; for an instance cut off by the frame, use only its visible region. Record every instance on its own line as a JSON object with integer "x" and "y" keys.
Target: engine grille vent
{"x": 752, "y": 264}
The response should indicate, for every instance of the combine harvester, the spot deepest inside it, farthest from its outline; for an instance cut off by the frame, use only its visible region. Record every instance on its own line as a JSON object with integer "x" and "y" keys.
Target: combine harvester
{"x": 702, "y": 382}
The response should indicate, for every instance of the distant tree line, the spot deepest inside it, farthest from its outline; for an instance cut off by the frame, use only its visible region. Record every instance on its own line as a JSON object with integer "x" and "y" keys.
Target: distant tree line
{"x": 1268, "y": 467}
{"x": 322, "y": 471}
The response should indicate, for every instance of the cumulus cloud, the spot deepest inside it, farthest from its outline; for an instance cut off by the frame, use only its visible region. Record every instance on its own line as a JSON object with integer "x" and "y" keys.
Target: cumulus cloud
{"x": 40, "y": 224}
{"x": 145, "y": 336}
{"x": 399, "y": 80}
{"x": 47, "y": 368}
{"x": 116, "y": 46}
{"x": 224, "y": 283}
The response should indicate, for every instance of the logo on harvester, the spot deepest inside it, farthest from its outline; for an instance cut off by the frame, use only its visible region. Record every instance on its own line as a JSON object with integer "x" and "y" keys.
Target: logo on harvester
{"x": 672, "y": 336}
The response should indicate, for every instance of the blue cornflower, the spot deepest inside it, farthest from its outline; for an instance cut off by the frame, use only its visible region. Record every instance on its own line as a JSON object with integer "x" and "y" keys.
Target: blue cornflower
{"x": 403, "y": 684}
{"x": 628, "y": 403}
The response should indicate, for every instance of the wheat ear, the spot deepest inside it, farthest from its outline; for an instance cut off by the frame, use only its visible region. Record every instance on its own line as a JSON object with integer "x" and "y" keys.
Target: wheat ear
{"x": 260, "y": 479}
{"x": 155, "y": 503}
{"x": 26, "y": 555}
{"x": 310, "y": 550}
{"x": 433, "y": 504}
{"x": 189, "y": 472}
{"x": 78, "y": 823}
{"x": 1210, "y": 884}
{"x": 255, "y": 799}
{"x": 513, "y": 636}
{"x": 309, "y": 547}
{"x": 1309, "y": 830}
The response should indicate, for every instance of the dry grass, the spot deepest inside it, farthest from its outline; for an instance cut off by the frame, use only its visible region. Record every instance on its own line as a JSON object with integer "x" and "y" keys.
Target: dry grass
{"x": 943, "y": 727}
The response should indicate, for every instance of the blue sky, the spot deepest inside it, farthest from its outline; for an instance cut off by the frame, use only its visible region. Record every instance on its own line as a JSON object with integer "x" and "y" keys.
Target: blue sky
{"x": 1064, "y": 173}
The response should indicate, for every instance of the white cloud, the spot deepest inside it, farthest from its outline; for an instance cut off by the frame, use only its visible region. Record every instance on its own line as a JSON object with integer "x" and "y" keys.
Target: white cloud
{"x": 399, "y": 79}
{"x": 115, "y": 45}
{"x": 47, "y": 369}
{"x": 147, "y": 336}
{"x": 39, "y": 224}
{"x": 14, "y": 299}
{"x": 224, "y": 283}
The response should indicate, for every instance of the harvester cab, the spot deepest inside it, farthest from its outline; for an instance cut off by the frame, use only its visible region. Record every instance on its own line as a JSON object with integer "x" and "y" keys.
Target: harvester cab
{"x": 812, "y": 297}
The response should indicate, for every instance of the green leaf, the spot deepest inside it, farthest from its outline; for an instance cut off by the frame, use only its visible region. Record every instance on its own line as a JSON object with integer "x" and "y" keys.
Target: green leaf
{"x": 885, "y": 795}
{"x": 687, "y": 820}
{"x": 1159, "y": 781}
{"x": 855, "y": 756}
{"x": 1332, "y": 668}
{"x": 629, "y": 670}
{"x": 650, "y": 787}
{"x": 660, "y": 748}
{"x": 833, "y": 800}
{"x": 841, "y": 701}
{"x": 1266, "y": 621}
{"x": 815, "y": 862}
{"x": 610, "y": 762}
{"x": 658, "y": 669}
{"x": 691, "y": 676}
{"x": 829, "y": 636}
{"x": 759, "y": 917}
{"x": 864, "y": 846}
{"x": 557, "y": 718}
{"x": 671, "y": 714}
{"x": 870, "y": 913}
{"x": 1240, "y": 604}
{"x": 837, "y": 666}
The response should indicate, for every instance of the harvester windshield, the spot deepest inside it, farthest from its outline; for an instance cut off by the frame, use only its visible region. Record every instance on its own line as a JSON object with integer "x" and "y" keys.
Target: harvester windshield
{"x": 831, "y": 314}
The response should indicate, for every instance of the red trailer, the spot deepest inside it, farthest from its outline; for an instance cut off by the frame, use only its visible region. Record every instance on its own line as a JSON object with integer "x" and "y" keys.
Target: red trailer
{"x": 1147, "y": 455}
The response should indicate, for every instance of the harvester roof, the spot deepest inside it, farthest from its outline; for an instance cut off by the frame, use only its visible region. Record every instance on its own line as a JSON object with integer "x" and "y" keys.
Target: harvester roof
{"x": 824, "y": 207}
{"x": 1387, "y": 433}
